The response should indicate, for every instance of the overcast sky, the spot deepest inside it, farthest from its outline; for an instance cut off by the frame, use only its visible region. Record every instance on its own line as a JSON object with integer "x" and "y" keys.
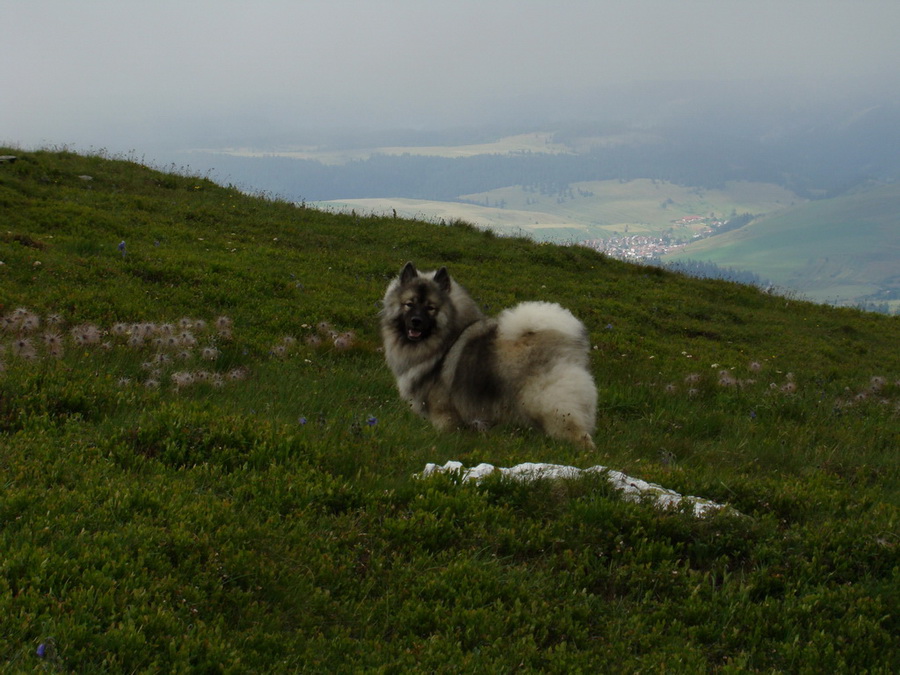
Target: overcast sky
{"x": 124, "y": 73}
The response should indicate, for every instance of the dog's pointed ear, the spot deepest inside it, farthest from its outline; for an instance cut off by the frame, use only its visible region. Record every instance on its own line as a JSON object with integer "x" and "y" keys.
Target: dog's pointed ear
{"x": 408, "y": 273}
{"x": 442, "y": 279}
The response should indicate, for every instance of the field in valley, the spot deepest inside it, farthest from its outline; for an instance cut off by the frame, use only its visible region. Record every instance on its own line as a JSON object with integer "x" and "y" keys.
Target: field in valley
{"x": 590, "y": 210}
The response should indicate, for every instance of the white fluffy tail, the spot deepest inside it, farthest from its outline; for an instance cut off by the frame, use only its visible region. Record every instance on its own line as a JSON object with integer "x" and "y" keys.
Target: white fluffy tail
{"x": 533, "y": 317}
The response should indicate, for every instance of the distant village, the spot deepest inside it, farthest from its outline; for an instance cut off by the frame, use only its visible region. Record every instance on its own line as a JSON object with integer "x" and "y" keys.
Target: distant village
{"x": 641, "y": 247}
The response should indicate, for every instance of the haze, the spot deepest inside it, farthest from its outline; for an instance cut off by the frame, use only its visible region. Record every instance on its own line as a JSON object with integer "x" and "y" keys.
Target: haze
{"x": 131, "y": 75}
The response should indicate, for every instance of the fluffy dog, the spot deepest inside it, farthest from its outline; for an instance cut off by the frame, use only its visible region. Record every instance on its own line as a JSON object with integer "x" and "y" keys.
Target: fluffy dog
{"x": 460, "y": 369}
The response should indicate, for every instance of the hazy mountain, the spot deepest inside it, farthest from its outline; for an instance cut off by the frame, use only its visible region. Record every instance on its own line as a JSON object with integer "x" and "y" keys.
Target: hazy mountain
{"x": 689, "y": 134}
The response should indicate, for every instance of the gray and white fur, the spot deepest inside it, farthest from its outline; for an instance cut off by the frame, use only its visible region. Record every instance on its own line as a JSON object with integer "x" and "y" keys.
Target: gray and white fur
{"x": 529, "y": 366}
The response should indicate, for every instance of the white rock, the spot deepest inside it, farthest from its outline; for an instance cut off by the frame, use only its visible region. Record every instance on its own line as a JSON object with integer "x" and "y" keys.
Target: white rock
{"x": 635, "y": 489}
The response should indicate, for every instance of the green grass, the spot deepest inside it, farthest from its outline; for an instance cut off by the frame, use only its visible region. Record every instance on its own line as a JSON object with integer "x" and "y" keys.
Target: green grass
{"x": 265, "y": 517}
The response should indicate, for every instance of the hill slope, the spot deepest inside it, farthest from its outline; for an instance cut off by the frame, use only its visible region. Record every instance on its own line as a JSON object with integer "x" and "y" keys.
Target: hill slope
{"x": 842, "y": 249}
{"x": 197, "y": 477}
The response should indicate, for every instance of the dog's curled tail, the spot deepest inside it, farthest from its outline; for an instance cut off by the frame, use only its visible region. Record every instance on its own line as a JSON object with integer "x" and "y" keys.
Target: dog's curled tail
{"x": 535, "y": 317}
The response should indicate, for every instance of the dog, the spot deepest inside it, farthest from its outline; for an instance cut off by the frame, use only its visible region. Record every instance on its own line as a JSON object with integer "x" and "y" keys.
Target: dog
{"x": 456, "y": 367}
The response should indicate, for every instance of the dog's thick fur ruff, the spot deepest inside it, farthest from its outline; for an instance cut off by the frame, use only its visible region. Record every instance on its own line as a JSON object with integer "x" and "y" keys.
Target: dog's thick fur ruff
{"x": 458, "y": 368}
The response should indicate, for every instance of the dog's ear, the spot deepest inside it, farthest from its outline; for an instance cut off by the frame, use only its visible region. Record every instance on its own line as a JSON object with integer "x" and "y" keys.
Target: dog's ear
{"x": 408, "y": 273}
{"x": 442, "y": 279}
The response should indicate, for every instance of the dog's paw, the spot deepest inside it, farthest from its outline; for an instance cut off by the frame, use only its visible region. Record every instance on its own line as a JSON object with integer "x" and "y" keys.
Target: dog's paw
{"x": 479, "y": 425}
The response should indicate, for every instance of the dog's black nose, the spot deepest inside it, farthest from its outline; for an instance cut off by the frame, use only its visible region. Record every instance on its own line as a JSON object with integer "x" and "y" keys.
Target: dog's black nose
{"x": 415, "y": 322}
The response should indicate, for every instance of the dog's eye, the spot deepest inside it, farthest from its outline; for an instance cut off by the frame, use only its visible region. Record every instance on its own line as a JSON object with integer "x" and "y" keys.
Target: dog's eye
{"x": 431, "y": 309}
{"x": 409, "y": 305}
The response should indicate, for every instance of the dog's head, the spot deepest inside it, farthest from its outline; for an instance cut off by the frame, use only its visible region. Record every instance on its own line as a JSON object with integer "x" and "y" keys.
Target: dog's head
{"x": 419, "y": 301}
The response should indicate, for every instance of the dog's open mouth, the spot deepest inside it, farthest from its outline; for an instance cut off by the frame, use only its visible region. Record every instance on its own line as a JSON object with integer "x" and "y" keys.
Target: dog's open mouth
{"x": 414, "y": 334}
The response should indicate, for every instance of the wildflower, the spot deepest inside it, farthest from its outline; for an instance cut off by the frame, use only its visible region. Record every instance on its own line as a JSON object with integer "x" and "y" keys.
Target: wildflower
{"x": 789, "y": 387}
{"x": 54, "y": 319}
{"x": 86, "y": 334}
{"x": 52, "y": 339}
{"x": 223, "y": 323}
{"x": 371, "y": 421}
{"x": 209, "y": 353}
{"x": 313, "y": 340}
{"x": 670, "y": 389}
{"x": 187, "y": 339}
{"x": 120, "y": 329}
{"x": 344, "y": 341}
{"x": 184, "y": 355}
{"x": 24, "y": 349}
{"x": 124, "y": 381}
{"x": 877, "y": 383}
{"x": 279, "y": 350}
{"x": 218, "y": 381}
{"x": 302, "y": 421}
{"x": 726, "y": 380}
{"x": 121, "y": 247}
{"x": 755, "y": 366}
{"x": 323, "y": 327}
{"x": 29, "y": 322}
{"x": 182, "y": 379}
{"x": 54, "y": 343}
{"x": 152, "y": 384}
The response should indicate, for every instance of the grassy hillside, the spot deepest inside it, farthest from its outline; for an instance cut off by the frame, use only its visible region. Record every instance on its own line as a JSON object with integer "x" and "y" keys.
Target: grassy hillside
{"x": 205, "y": 466}
{"x": 842, "y": 249}
{"x": 591, "y": 209}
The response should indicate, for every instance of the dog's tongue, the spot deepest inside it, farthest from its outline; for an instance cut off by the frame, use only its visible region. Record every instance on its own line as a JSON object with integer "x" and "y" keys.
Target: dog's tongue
{"x": 414, "y": 334}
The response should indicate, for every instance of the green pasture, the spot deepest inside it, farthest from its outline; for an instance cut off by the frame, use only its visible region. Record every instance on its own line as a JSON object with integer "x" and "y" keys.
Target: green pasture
{"x": 204, "y": 465}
